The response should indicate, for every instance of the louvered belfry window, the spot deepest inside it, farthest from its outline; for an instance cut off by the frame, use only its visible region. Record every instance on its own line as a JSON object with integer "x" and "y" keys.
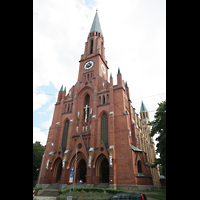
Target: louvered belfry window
{"x": 65, "y": 134}
{"x": 104, "y": 129}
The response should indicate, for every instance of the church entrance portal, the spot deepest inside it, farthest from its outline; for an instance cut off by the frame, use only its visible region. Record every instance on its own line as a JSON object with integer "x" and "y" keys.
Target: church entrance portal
{"x": 57, "y": 169}
{"x": 81, "y": 171}
{"x": 105, "y": 171}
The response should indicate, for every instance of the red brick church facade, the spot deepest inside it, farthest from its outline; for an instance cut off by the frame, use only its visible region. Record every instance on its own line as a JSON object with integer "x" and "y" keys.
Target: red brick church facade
{"x": 96, "y": 118}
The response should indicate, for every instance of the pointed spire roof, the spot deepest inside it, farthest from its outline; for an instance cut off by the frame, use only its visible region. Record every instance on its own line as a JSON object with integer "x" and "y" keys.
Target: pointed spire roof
{"x": 96, "y": 24}
{"x": 143, "y": 107}
{"x": 61, "y": 89}
{"x": 118, "y": 71}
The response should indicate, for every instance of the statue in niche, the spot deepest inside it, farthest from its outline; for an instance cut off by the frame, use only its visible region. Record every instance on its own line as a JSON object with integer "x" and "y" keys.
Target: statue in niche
{"x": 110, "y": 157}
{"x": 129, "y": 132}
{"x": 78, "y": 114}
{"x": 83, "y": 129}
{"x": 47, "y": 166}
{"x": 86, "y": 129}
{"x": 89, "y": 162}
{"x": 63, "y": 163}
{"x": 77, "y": 129}
{"x": 137, "y": 140}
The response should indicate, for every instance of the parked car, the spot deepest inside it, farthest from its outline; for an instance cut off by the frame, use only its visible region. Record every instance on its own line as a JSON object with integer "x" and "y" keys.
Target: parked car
{"x": 130, "y": 196}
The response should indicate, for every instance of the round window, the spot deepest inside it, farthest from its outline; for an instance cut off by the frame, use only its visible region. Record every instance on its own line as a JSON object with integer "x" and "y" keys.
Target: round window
{"x": 79, "y": 145}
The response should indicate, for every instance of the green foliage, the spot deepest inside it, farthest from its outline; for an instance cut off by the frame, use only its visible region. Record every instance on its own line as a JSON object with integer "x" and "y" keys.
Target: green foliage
{"x": 90, "y": 193}
{"x": 88, "y": 189}
{"x": 113, "y": 191}
{"x": 65, "y": 191}
{"x": 38, "y": 151}
{"x": 84, "y": 193}
{"x": 159, "y": 127}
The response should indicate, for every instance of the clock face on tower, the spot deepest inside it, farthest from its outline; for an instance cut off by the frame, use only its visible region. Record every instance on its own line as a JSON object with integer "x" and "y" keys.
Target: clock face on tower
{"x": 103, "y": 68}
{"x": 88, "y": 65}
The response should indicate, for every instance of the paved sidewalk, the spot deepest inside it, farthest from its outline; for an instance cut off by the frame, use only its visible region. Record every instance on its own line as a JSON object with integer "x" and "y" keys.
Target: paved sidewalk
{"x": 54, "y": 198}
{"x": 44, "y": 198}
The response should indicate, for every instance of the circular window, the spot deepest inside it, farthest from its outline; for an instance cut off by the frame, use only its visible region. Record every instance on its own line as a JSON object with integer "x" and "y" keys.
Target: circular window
{"x": 59, "y": 153}
{"x": 101, "y": 149}
{"x": 79, "y": 145}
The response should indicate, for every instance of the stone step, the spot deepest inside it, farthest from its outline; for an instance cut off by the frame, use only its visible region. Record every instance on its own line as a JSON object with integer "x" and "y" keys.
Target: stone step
{"x": 102, "y": 185}
{"x": 53, "y": 186}
{"x": 47, "y": 192}
{"x": 77, "y": 185}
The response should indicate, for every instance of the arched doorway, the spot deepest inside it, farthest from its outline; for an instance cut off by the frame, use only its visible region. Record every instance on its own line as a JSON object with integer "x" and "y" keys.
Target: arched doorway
{"x": 57, "y": 169}
{"x": 82, "y": 171}
{"x": 104, "y": 172}
{"x": 102, "y": 169}
{"x": 81, "y": 166}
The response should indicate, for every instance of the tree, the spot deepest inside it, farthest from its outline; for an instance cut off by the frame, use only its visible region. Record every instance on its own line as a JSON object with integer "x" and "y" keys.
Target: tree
{"x": 38, "y": 151}
{"x": 159, "y": 127}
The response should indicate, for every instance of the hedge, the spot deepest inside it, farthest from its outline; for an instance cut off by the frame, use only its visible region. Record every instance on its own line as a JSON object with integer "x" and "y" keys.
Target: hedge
{"x": 113, "y": 191}
{"x": 88, "y": 189}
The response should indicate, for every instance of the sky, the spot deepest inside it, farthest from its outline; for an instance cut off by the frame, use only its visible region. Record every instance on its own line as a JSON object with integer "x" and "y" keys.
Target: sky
{"x": 134, "y": 39}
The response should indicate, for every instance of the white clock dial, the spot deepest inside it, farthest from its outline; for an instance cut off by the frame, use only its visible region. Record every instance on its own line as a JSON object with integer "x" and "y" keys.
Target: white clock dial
{"x": 88, "y": 65}
{"x": 103, "y": 68}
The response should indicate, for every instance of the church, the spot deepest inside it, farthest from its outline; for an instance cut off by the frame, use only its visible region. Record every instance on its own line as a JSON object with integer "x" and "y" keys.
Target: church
{"x": 96, "y": 131}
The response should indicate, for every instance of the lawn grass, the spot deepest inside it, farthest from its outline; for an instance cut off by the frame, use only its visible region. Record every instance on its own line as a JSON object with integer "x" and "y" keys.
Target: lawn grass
{"x": 81, "y": 195}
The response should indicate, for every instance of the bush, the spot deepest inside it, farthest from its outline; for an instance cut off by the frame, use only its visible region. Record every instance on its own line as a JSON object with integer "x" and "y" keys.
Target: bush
{"x": 111, "y": 191}
{"x": 65, "y": 191}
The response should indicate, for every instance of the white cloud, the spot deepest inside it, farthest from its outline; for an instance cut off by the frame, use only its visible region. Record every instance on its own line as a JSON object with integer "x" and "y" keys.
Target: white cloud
{"x": 47, "y": 124}
{"x": 51, "y": 107}
{"x": 39, "y": 136}
{"x": 39, "y": 99}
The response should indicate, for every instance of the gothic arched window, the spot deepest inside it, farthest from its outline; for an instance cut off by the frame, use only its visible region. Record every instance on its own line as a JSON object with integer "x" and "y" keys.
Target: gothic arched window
{"x": 104, "y": 129}
{"x": 139, "y": 166}
{"x": 107, "y": 98}
{"x": 91, "y": 46}
{"x": 104, "y": 99}
{"x": 68, "y": 108}
{"x": 65, "y": 135}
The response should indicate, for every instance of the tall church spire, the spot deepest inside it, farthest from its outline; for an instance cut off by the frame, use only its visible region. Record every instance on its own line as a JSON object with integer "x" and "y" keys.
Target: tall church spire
{"x": 96, "y": 24}
{"x": 143, "y": 107}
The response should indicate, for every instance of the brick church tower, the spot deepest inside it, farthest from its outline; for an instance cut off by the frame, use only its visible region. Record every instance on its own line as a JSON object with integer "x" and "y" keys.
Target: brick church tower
{"x": 96, "y": 118}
